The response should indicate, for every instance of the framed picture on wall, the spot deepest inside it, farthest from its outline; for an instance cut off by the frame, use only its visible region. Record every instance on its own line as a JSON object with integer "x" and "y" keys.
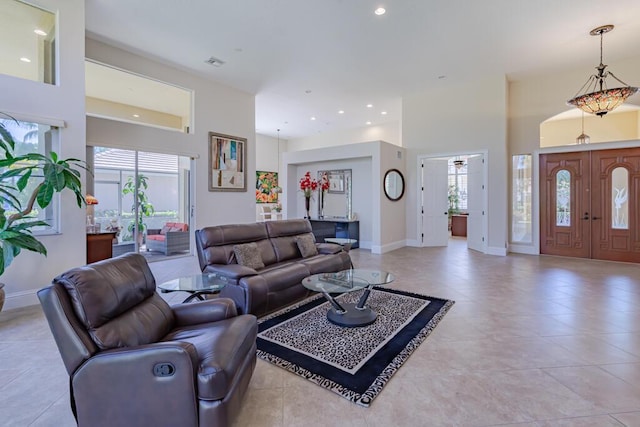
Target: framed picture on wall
{"x": 265, "y": 183}
{"x": 227, "y": 163}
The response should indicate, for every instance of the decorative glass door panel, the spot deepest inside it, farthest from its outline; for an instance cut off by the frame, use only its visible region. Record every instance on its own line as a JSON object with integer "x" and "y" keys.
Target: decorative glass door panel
{"x": 603, "y": 189}
{"x": 615, "y": 178}
{"x": 564, "y": 199}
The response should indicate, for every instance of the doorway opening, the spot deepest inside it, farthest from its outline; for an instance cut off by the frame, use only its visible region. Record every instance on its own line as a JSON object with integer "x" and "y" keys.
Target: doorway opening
{"x": 453, "y": 199}
{"x": 144, "y": 197}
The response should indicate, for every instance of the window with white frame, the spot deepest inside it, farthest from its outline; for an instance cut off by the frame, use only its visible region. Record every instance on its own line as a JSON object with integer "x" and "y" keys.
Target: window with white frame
{"x": 33, "y": 137}
{"x": 457, "y": 185}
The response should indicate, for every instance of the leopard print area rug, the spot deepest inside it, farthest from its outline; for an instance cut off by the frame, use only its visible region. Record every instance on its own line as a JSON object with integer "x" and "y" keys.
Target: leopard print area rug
{"x": 355, "y": 363}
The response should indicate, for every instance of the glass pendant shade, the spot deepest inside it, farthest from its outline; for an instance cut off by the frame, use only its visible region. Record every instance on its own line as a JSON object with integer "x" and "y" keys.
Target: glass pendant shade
{"x": 583, "y": 138}
{"x": 597, "y": 98}
{"x": 601, "y": 102}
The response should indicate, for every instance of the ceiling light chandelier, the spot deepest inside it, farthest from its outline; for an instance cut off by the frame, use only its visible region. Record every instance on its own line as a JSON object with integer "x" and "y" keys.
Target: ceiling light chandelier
{"x": 583, "y": 138}
{"x": 601, "y": 101}
{"x": 458, "y": 163}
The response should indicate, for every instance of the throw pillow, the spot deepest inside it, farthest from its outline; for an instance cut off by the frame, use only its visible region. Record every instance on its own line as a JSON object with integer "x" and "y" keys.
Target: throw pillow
{"x": 306, "y": 245}
{"x": 248, "y": 255}
{"x": 165, "y": 229}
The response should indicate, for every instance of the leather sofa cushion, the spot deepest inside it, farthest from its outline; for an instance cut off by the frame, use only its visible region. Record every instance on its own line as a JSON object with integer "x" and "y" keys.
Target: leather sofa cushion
{"x": 221, "y": 347}
{"x": 217, "y": 242}
{"x": 323, "y": 263}
{"x": 103, "y": 295}
{"x": 156, "y": 237}
{"x": 248, "y": 255}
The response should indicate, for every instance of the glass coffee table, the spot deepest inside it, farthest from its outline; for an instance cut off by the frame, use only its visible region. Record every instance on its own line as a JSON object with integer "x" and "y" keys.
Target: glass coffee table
{"x": 349, "y": 315}
{"x": 197, "y": 285}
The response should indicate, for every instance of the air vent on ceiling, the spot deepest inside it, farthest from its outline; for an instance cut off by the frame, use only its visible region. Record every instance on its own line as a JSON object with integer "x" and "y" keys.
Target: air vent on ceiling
{"x": 215, "y": 61}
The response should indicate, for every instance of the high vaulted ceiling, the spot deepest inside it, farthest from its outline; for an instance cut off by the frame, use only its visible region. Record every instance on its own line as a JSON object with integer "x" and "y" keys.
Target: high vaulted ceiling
{"x": 304, "y": 58}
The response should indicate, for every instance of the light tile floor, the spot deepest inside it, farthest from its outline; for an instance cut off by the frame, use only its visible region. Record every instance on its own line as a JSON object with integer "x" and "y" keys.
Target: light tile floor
{"x": 531, "y": 341}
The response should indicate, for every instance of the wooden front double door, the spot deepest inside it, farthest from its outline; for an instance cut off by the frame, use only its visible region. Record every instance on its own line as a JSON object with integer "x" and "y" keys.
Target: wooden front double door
{"x": 589, "y": 204}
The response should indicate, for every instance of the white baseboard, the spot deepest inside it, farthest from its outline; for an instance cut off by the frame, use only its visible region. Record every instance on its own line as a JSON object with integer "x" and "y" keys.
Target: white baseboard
{"x": 20, "y": 299}
{"x": 523, "y": 249}
{"x": 493, "y": 250}
{"x": 382, "y": 249}
{"x": 414, "y": 243}
{"x": 364, "y": 244}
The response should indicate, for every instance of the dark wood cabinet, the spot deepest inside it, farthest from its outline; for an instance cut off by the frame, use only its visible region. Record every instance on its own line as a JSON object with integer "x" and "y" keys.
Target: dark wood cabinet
{"x": 323, "y": 228}
{"x": 459, "y": 225}
{"x": 99, "y": 246}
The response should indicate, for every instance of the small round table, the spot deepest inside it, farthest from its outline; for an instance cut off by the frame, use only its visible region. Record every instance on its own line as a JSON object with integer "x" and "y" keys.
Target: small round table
{"x": 349, "y": 315}
{"x": 197, "y": 285}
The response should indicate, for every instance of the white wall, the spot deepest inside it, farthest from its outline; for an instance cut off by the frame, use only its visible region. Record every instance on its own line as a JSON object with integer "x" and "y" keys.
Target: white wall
{"x": 392, "y": 214}
{"x": 367, "y": 163}
{"x": 390, "y": 132}
{"x": 217, "y": 108}
{"x": 267, "y": 160}
{"x": 469, "y": 117}
{"x": 64, "y": 101}
{"x": 534, "y": 100}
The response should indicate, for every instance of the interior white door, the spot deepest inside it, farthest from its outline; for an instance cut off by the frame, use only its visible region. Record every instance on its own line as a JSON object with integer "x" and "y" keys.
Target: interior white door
{"x": 435, "y": 205}
{"x": 475, "y": 203}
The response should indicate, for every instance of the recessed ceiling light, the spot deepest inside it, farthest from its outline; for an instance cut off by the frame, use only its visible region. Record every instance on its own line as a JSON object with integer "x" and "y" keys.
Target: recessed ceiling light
{"x": 442, "y": 77}
{"x": 313, "y": 118}
{"x": 136, "y": 115}
{"x": 368, "y": 123}
{"x": 308, "y": 91}
{"x": 380, "y": 11}
{"x": 25, "y": 59}
{"x": 384, "y": 113}
{"x": 369, "y": 105}
{"x": 39, "y": 32}
{"x": 341, "y": 112}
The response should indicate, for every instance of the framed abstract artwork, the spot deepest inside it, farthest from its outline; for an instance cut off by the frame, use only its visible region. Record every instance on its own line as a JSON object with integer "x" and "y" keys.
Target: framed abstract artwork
{"x": 265, "y": 183}
{"x": 227, "y": 163}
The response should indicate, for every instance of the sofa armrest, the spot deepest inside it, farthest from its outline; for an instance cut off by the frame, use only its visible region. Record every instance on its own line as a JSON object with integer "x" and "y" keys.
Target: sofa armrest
{"x": 204, "y": 312}
{"x": 328, "y": 248}
{"x": 232, "y": 271}
{"x": 158, "y": 376}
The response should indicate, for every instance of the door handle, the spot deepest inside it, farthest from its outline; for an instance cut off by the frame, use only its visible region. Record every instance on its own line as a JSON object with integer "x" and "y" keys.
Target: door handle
{"x": 595, "y": 217}
{"x": 586, "y": 216}
{"x": 446, "y": 213}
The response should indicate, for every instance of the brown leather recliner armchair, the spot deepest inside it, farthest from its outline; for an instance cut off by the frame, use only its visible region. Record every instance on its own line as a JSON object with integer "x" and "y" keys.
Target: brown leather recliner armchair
{"x": 133, "y": 360}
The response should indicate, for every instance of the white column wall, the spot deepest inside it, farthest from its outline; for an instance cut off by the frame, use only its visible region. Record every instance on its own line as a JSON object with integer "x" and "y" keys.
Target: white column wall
{"x": 469, "y": 116}
{"x": 65, "y": 102}
{"x": 217, "y": 108}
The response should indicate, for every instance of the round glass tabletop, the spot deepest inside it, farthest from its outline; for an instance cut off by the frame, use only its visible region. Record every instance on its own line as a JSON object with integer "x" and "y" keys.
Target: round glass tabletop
{"x": 196, "y": 283}
{"x": 347, "y": 280}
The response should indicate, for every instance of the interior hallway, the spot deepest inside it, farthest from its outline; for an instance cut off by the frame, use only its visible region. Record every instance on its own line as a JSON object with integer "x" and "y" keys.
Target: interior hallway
{"x": 531, "y": 341}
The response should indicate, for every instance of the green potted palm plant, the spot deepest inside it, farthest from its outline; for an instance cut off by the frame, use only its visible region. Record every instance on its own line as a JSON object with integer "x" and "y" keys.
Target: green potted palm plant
{"x": 141, "y": 201}
{"x": 41, "y": 176}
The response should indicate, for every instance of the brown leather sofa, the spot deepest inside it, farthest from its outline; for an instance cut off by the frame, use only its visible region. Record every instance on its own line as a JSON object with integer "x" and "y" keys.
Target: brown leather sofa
{"x": 133, "y": 360}
{"x": 279, "y": 283}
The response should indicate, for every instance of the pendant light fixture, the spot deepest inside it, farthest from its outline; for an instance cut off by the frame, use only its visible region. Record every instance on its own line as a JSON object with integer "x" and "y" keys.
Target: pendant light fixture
{"x": 596, "y": 98}
{"x": 583, "y": 138}
{"x": 458, "y": 163}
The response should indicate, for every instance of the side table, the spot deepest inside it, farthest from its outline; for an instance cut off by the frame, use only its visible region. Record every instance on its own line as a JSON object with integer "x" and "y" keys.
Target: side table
{"x": 197, "y": 285}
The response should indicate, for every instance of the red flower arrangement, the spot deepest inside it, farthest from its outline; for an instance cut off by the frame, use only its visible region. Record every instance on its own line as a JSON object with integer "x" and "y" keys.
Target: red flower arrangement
{"x": 324, "y": 182}
{"x": 308, "y": 185}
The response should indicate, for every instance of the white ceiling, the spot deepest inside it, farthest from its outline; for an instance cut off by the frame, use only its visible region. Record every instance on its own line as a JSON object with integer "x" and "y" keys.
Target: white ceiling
{"x": 348, "y": 57}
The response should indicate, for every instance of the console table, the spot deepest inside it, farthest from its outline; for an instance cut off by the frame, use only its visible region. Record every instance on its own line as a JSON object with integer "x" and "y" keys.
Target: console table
{"x": 99, "y": 246}
{"x": 459, "y": 225}
{"x": 335, "y": 227}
